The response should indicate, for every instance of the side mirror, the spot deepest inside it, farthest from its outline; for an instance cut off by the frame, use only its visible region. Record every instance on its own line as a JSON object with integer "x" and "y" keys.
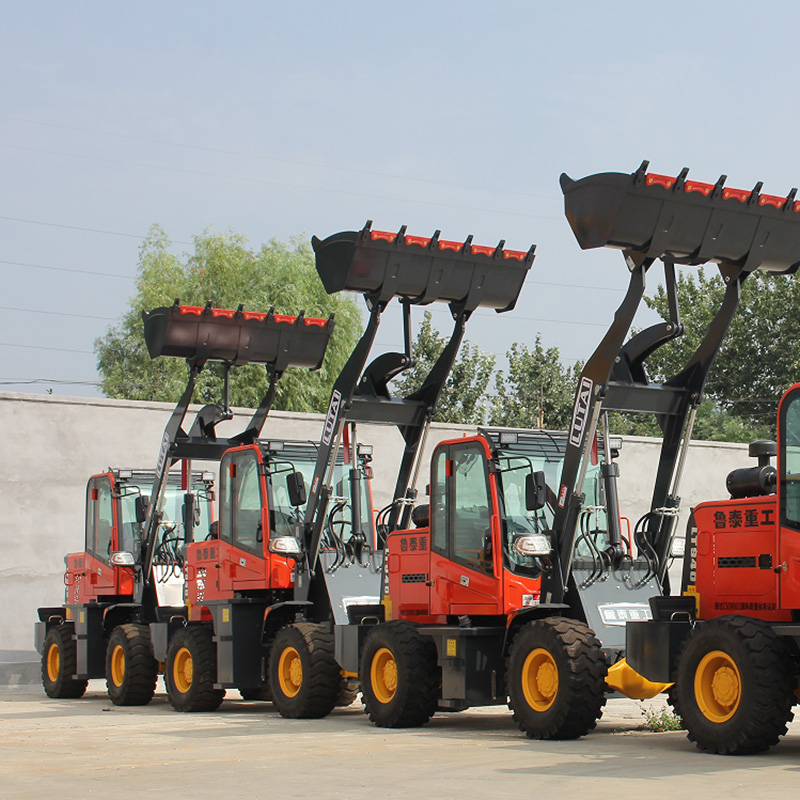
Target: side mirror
{"x": 296, "y": 487}
{"x": 141, "y": 503}
{"x": 535, "y": 491}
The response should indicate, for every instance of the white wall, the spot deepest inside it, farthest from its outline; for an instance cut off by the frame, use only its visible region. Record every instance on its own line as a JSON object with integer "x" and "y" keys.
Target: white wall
{"x": 53, "y": 444}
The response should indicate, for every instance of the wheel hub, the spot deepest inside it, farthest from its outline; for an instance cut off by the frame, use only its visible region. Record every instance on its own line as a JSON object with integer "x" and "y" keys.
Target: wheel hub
{"x": 383, "y": 674}
{"x": 53, "y": 662}
{"x": 290, "y": 672}
{"x": 118, "y": 665}
{"x": 540, "y": 679}
{"x": 183, "y": 670}
{"x": 717, "y": 686}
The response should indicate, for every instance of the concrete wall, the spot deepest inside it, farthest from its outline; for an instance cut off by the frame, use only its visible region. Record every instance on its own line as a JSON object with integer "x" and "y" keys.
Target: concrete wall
{"x": 53, "y": 444}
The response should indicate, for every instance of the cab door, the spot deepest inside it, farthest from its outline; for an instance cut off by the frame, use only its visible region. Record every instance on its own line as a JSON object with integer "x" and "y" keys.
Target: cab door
{"x": 789, "y": 498}
{"x": 243, "y": 527}
{"x": 465, "y": 532}
{"x": 98, "y": 577}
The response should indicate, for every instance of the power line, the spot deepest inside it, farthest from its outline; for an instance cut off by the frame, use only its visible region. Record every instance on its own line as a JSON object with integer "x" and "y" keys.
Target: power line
{"x": 56, "y": 313}
{"x": 281, "y": 184}
{"x": 79, "y": 228}
{"x": 68, "y": 269}
{"x": 263, "y": 157}
{"x": 52, "y": 349}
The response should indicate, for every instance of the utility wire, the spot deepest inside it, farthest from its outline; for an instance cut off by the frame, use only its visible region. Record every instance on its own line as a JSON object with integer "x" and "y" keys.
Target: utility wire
{"x": 68, "y": 269}
{"x": 262, "y": 157}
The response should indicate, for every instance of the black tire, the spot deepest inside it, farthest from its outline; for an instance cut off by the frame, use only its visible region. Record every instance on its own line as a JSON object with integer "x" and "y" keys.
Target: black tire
{"x": 60, "y": 663}
{"x": 735, "y": 686}
{"x": 257, "y": 693}
{"x": 348, "y": 691}
{"x": 131, "y": 670}
{"x": 303, "y": 673}
{"x": 400, "y": 677}
{"x": 555, "y": 676}
{"x": 191, "y": 670}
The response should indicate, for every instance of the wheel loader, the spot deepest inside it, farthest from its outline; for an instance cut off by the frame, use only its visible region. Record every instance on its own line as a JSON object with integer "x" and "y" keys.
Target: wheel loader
{"x": 141, "y": 525}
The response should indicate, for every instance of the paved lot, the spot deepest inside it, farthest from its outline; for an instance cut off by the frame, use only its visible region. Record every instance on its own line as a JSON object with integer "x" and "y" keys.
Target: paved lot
{"x": 84, "y": 748}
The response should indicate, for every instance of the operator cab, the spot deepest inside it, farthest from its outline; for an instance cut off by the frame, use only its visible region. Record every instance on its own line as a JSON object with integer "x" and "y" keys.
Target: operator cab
{"x": 116, "y": 507}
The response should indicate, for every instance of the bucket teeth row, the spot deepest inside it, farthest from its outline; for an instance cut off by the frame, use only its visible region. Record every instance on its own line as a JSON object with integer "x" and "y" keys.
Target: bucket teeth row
{"x": 205, "y": 333}
{"x": 686, "y": 221}
{"x": 383, "y": 265}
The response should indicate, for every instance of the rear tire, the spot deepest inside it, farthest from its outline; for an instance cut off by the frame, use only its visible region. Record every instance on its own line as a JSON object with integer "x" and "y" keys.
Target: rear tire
{"x": 131, "y": 670}
{"x": 192, "y": 670}
{"x": 303, "y": 673}
{"x": 556, "y": 679}
{"x": 60, "y": 663}
{"x": 400, "y": 676}
{"x": 735, "y": 686}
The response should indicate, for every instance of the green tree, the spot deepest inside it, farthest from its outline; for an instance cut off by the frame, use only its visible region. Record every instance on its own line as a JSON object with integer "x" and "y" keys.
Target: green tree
{"x": 463, "y": 398}
{"x": 537, "y": 391}
{"x": 758, "y": 360}
{"x": 226, "y": 271}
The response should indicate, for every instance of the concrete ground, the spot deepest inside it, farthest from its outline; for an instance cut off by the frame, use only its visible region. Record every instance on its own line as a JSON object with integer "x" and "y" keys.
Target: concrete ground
{"x": 77, "y": 748}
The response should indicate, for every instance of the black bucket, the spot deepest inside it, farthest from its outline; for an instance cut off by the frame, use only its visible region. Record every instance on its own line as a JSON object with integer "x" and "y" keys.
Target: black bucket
{"x": 384, "y": 265}
{"x": 687, "y": 221}
{"x": 236, "y": 337}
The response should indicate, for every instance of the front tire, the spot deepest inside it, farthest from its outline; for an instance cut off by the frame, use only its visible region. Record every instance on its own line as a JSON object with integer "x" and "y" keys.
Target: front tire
{"x": 556, "y": 679}
{"x": 304, "y": 676}
{"x": 735, "y": 686}
{"x": 192, "y": 670}
{"x": 60, "y": 663}
{"x": 131, "y": 670}
{"x": 399, "y": 676}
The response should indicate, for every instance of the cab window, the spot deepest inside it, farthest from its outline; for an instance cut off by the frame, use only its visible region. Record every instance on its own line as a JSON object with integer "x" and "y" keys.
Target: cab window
{"x": 240, "y": 491}
{"x": 790, "y": 461}
{"x": 471, "y": 508}
{"x": 99, "y": 517}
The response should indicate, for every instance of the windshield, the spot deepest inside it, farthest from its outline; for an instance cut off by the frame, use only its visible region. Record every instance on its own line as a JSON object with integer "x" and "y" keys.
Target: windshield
{"x": 523, "y": 459}
{"x": 170, "y": 532}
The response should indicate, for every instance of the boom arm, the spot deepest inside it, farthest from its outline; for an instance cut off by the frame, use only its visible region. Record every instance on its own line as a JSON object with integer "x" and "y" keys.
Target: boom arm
{"x": 419, "y": 271}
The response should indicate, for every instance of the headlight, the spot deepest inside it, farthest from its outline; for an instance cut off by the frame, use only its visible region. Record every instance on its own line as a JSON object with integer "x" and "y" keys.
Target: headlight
{"x": 533, "y": 544}
{"x": 123, "y": 559}
{"x": 285, "y": 546}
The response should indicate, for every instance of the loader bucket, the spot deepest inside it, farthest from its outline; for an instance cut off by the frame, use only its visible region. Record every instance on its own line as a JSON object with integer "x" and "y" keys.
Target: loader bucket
{"x": 236, "y": 337}
{"x": 689, "y": 222}
{"x": 384, "y": 265}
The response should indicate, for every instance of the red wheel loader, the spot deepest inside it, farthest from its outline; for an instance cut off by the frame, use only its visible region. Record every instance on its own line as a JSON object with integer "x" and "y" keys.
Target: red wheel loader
{"x": 729, "y": 642}
{"x": 338, "y": 598}
{"x": 140, "y": 525}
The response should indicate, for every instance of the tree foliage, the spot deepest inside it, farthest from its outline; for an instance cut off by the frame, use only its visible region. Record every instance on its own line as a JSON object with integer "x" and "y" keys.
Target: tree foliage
{"x": 758, "y": 360}
{"x": 537, "y": 391}
{"x": 463, "y": 399}
{"x": 226, "y": 271}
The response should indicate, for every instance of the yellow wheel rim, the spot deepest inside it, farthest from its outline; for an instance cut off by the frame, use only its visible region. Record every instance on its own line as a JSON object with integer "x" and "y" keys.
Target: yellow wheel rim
{"x": 290, "y": 672}
{"x": 717, "y": 686}
{"x": 383, "y": 675}
{"x": 540, "y": 679}
{"x": 53, "y": 662}
{"x": 183, "y": 670}
{"x": 118, "y": 665}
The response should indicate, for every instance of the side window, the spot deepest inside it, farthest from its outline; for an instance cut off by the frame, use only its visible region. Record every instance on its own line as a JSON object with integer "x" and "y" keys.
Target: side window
{"x": 790, "y": 462}
{"x": 471, "y": 508}
{"x": 240, "y": 494}
{"x": 439, "y": 501}
{"x": 99, "y": 518}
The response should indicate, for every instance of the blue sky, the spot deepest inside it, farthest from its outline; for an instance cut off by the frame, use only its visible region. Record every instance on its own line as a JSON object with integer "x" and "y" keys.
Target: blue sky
{"x": 274, "y": 119}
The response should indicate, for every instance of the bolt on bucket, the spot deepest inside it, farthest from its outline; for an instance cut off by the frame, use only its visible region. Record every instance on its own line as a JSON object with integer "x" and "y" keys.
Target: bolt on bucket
{"x": 383, "y": 265}
{"x": 236, "y": 337}
{"x": 689, "y": 222}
